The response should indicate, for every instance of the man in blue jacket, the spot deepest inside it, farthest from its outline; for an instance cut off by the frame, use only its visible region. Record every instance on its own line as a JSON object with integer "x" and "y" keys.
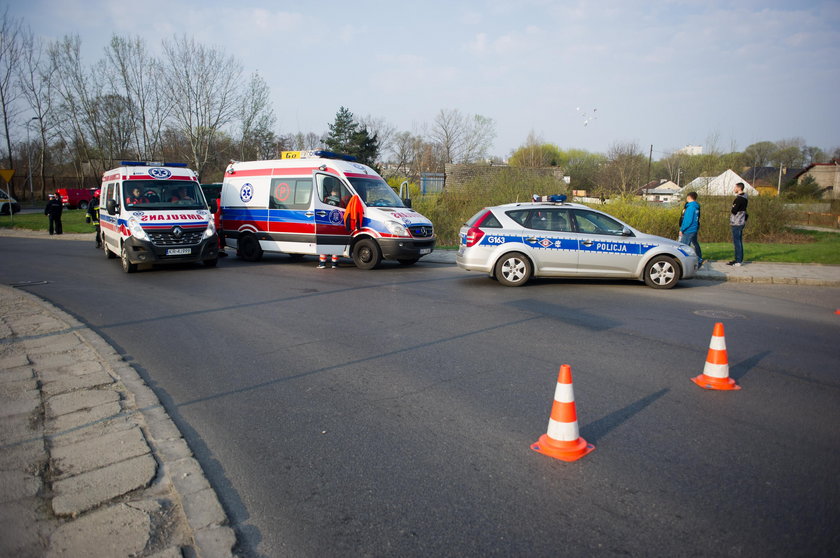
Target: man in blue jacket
{"x": 690, "y": 224}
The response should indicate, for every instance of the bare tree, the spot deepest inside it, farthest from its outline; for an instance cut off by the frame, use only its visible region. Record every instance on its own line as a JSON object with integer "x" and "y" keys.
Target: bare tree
{"x": 201, "y": 86}
{"x": 462, "y": 139}
{"x": 36, "y": 86}
{"x": 625, "y": 168}
{"x": 381, "y": 129}
{"x": 257, "y": 120}
{"x": 130, "y": 74}
{"x": 478, "y": 138}
{"x": 10, "y": 55}
{"x": 78, "y": 91}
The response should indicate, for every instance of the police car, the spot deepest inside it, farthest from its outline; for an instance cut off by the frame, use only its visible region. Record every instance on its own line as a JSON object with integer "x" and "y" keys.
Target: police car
{"x": 551, "y": 238}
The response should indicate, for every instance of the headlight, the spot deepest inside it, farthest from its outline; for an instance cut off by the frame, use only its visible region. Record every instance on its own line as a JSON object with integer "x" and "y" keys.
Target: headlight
{"x": 687, "y": 250}
{"x": 136, "y": 230}
{"x": 210, "y": 230}
{"x": 396, "y": 229}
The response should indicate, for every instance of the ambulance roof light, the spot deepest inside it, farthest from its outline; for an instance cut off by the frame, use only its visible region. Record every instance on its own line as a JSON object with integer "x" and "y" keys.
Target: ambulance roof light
{"x": 331, "y": 155}
{"x": 151, "y": 164}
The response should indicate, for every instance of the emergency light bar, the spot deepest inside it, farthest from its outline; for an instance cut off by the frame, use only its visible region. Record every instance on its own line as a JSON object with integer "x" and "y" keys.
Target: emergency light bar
{"x": 557, "y": 198}
{"x": 150, "y": 164}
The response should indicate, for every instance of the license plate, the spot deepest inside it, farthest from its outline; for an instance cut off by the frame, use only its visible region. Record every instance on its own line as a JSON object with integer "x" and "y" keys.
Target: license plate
{"x": 178, "y": 251}
{"x": 425, "y": 250}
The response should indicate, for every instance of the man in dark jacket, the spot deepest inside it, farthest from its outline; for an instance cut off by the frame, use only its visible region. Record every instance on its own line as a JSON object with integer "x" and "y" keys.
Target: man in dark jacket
{"x": 53, "y": 211}
{"x": 92, "y": 217}
{"x": 737, "y": 219}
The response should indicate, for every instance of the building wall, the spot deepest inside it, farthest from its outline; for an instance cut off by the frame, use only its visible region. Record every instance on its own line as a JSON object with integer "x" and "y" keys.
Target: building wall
{"x": 827, "y": 176}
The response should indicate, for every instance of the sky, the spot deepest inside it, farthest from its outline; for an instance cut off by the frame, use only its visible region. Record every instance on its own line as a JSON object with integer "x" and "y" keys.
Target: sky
{"x": 577, "y": 74}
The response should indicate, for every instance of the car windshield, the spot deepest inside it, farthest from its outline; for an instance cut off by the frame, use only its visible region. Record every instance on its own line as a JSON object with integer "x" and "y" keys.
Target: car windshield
{"x": 375, "y": 192}
{"x": 169, "y": 194}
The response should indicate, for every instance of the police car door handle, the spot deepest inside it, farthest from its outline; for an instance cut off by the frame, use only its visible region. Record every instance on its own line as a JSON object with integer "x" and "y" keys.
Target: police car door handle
{"x": 587, "y": 243}
{"x": 310, "y": 213}
{"x": 321, "y": 213}
{"x": 531, "y": 239}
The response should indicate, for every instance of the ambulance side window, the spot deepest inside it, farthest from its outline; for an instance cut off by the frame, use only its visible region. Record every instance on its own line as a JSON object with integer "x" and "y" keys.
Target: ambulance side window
{"x": 290, "y": 193}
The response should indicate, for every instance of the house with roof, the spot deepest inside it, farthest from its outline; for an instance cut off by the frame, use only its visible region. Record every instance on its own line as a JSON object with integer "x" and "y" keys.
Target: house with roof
{"x": 720, "y": 185}
{"x": 771, "y": 177}
{"x": 827, "y": 175}
{"x": 661, "y": 190}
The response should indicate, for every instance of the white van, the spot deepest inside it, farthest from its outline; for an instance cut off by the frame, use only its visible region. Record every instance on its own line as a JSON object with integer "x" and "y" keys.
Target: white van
{"x": 155, "y": 213}
{"x": 317, "y": 202}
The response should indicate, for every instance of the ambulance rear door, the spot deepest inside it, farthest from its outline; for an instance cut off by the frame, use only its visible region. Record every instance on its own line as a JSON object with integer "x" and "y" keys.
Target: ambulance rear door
{"x": 328, "y": 201}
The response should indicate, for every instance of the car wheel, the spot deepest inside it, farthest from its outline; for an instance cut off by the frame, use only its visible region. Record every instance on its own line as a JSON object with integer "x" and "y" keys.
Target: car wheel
{"x": 249, "y": 248}
{"x": 366, "y": 254}
{"x": 127, "y": 266}
{"x": 662, "y": 272}
{"x": 5, "y": 209}
{"x": 513, "y": 270}
{"x": 83, "y": 205}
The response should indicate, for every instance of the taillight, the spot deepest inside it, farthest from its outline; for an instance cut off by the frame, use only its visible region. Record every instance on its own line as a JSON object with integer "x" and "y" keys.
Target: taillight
{"x": 474, "y": 234}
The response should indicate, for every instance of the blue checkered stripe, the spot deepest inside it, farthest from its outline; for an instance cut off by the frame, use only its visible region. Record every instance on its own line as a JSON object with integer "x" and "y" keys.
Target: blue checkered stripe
{"x": 557, "y": 243}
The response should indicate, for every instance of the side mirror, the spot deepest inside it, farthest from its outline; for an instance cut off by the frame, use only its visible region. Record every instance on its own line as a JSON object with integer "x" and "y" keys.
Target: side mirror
{"x": 407, "y": 202}
{"x": 626, "y": 232}
{"x": 111, "y": 206}
{"x": 214, "y": 206}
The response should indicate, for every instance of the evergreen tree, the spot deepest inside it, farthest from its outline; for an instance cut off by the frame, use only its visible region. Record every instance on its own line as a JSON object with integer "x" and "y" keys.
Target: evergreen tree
{"x": 341, "y": 133}
{"x": 348, "y": 138}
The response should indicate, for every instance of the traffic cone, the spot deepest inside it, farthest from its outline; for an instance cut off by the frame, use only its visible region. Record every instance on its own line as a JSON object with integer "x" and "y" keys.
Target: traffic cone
{"x": 562, "y": 441}
{"x": 716, "y": 372}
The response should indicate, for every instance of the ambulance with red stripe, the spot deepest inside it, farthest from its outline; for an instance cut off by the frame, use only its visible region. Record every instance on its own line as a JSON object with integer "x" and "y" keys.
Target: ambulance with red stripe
{"x": 156, "y": 213}
{"x": 318, "y": 202}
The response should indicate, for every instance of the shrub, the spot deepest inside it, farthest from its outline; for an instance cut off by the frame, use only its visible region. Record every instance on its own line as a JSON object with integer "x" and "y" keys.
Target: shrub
{"x": 449, "y": 210}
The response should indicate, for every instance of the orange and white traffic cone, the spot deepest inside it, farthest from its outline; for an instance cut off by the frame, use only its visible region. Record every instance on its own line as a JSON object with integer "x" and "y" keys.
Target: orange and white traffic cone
{"x": 562, "y": 441}
{"x": 716, "y": 371}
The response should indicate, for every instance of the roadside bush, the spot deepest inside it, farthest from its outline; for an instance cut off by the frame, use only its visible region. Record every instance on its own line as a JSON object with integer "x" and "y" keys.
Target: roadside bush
{"x": 768, "y": 217}
{"x": 449, "y": 210}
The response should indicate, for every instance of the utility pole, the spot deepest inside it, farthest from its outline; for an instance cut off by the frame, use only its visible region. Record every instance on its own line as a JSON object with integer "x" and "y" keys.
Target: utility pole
{"x": 650, "y": 160}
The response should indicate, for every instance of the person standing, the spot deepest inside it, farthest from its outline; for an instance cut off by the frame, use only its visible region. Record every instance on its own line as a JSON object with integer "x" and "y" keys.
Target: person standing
{"x": 690, "y": 225}
{"x": 92, "y": 217}
{"x": 737, "y": 220}
{"x": 53, "y": 211}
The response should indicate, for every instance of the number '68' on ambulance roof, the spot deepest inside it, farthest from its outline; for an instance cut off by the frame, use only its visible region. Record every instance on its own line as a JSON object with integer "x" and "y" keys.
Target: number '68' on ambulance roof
{"x": 320, "y": 203}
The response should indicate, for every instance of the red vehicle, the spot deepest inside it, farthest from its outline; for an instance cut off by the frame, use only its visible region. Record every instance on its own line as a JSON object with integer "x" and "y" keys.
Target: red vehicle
{"x": 76, "y": 198}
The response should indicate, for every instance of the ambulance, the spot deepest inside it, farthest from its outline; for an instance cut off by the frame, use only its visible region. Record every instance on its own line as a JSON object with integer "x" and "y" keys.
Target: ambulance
{"x": 319, "y": 202}
{"x": 155, "y": 213}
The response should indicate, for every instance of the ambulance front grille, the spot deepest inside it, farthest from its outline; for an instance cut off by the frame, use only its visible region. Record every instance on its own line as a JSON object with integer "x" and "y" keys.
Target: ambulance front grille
{"x": 421, "y": 231}
{"x": 169, "y": 239}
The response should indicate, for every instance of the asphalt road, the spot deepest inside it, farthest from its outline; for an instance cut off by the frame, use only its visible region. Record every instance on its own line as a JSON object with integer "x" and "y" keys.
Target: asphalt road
{"x": 390, "y": 412}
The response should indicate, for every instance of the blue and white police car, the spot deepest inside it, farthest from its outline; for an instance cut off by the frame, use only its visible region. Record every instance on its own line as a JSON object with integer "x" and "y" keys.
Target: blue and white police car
{"x": 518, "y": 241}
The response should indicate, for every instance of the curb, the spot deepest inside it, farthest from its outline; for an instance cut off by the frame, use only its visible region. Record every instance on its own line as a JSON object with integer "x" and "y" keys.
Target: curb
{"x": 83, "y": 499}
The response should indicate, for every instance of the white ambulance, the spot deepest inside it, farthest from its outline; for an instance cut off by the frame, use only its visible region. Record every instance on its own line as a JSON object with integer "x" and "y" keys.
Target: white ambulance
{"x": 318, "y": 202}
{"x": 155, "y": 213}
